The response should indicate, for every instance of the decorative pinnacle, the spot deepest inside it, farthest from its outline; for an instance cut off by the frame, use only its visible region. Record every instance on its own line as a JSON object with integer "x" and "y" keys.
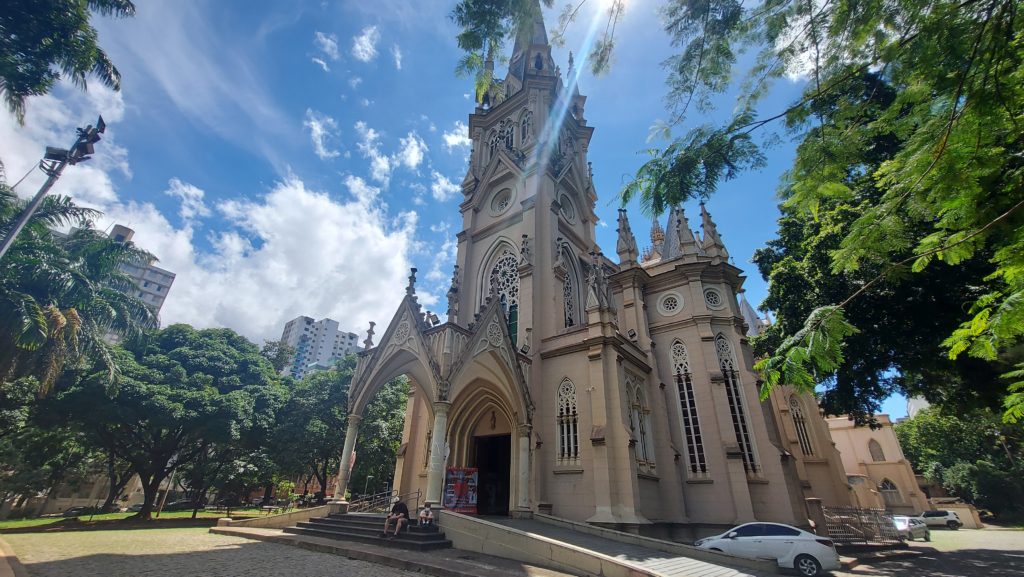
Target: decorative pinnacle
{"x": 368, "y": 343}
{"x": 411, "y": 289}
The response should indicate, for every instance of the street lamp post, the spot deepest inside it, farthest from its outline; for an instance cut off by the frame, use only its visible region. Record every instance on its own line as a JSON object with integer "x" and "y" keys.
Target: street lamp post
{"x": 367, "y": 483}
{"x": 53, "y": 164}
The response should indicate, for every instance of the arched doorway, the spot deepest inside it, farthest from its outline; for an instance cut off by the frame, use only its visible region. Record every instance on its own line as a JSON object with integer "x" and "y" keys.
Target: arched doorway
{"x": 481, "y": 437}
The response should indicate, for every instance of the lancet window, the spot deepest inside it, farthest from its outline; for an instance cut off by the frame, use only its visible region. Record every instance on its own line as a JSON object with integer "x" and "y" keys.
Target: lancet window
{"x": 507, "y": 133}
{"x": 890, "y": 492}
{"x": 506, "y": 271}
{"x": 876, "y": 451}
{"x": 688, "y": 404}
{"x": 737, "y": 408}
{"x": 568, "y": 424}
{"x": 639, "y": 423}
{"x": 526, "y": 127}
{"x": 800, "y": 423}
{"x": 493, "y": 140}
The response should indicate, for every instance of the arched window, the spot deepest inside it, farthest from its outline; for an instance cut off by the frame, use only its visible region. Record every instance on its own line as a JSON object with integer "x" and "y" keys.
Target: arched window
{"x": 639, "y": 423}
{"x": 737, "y": 409}
{"x": 876, "y": 451}
{"x": 506, "y": 270}
{"x": 492, "y": 145}
{"x": 526, "y": 127}
{"x": 507, "y": 133}
{"x": 688, "y": 404}
{"x": 800, "y": 422}
{"x": 568, "y": 424}
{"x": 890, "y": 493}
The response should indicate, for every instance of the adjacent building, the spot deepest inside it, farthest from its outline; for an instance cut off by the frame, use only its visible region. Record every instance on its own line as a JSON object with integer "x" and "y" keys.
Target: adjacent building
{"x": 152, "y": 283}
{"x": 318, "y": 345}
{"x": 878, "y": 472}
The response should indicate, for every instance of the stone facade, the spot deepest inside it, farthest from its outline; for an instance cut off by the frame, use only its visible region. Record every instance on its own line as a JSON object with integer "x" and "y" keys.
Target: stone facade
{"x": 612, "y": 391}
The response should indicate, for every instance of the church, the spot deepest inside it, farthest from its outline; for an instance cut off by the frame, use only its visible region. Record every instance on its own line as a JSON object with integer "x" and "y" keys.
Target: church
{"x": 611, "y": 389}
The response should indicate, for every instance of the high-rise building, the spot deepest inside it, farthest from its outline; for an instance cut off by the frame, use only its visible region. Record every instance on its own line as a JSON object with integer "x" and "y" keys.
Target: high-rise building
{"x": 152, "y": 283}
{"x": 318, "y": 344}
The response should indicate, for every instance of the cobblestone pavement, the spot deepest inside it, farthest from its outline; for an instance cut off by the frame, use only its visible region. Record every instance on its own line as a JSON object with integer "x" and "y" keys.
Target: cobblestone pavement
{"x": 176, "y": 552}
{"x": 963, "y": 553}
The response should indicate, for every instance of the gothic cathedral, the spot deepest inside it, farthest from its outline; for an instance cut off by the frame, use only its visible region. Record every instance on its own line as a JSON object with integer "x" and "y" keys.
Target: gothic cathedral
{"x": 612, "y": 391}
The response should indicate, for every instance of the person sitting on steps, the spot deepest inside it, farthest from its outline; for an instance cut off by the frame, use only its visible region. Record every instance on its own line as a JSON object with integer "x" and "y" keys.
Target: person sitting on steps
{"x": 426, "y": 516}
{"x": 399, "y": 515}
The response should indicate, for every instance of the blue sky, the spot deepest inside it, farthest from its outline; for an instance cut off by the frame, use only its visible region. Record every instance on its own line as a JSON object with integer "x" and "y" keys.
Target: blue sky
{"x": 287, "y": 158}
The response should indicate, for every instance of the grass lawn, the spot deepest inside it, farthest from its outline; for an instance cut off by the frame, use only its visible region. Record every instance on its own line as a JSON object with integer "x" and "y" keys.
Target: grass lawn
{"x": 45, "y": 522}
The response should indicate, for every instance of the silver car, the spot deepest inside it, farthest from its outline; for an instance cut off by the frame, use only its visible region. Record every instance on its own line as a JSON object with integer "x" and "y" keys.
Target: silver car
{"x": 911, "y": 528}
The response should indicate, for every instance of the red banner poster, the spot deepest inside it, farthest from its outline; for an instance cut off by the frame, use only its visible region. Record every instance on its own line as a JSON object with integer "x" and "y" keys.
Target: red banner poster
{"x": 460, "y": 490}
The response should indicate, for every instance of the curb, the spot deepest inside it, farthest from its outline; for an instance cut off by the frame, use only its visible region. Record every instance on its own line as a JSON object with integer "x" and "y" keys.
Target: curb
{"x": 9, "y": 564}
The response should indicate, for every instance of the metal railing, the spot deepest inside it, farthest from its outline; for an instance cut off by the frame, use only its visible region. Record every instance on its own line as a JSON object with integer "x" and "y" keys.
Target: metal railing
{"x": 381, "y": 502}
{"x": 854, "y": 525}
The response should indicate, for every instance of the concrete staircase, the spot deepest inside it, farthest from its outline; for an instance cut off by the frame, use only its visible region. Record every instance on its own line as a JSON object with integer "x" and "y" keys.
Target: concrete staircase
{"x": 366, "y": 528}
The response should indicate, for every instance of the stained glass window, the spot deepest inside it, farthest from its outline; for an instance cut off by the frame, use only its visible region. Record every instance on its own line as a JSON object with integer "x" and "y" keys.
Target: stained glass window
{"x": 568, "y": 424}
{"x": 688, "y": 404}
{"x": 737, "y": 410}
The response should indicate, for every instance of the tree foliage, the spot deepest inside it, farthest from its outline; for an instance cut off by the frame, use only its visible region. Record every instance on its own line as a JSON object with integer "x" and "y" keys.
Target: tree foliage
{"x": 44, "y": 40}
{"x": 975, "y": 456}
{"x": 183, "y": 391}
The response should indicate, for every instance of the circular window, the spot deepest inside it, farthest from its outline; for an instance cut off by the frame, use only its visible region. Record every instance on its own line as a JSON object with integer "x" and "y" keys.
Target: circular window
{"x": 714, "y": 299}
{"x": 670, "y": 303}
{"x": 568, "y": 210}
{"x": 501, "y": 201}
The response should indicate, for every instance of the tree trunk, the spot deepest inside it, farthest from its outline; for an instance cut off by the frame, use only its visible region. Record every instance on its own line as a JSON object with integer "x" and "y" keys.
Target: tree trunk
{"x": 117, "y": 481}
{"x": 267, "y": 490}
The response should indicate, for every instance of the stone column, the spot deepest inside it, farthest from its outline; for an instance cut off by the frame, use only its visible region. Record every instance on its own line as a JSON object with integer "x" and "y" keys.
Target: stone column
{"x": 435, "y": 469}
{"x": 345, "y": 469}
{"x": 523, "y": 486}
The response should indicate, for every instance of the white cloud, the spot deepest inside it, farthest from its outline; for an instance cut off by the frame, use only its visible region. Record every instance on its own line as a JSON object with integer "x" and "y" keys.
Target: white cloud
{"x": 364, "y": 46}
{"x": 369, "y": 147}
{"x": 354, "y": 82}
{"x": 322, "y": 128}
{"x": 457, "y": 137}
{"x": 441, "y": 188}
{"x": 278, "y": 253}
{"x": 412, "y": 151}
{"x": 366, "y": 102}
{"x": 322, "y": 64}
{"x": 397, "y": 53}
{"x": 191, "y": 197}
{"x": 327, "y": 44}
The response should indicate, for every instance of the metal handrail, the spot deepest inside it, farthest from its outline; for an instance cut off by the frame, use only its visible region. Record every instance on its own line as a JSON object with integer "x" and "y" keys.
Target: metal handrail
{"x": 381, "y": 502}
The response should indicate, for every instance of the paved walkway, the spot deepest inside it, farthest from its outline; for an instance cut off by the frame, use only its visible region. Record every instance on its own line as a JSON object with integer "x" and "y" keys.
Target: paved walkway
{"x": 666, "y": 564}
{"x": 176, "y": 552}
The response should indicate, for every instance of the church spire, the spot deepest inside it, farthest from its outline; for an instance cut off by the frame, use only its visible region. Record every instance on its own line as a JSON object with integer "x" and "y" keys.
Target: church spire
{"x": 626, "y": 245}
{"x": 713, "y": 244}
{"x": 679, "y": 240}
{"x": 531, "y": 53}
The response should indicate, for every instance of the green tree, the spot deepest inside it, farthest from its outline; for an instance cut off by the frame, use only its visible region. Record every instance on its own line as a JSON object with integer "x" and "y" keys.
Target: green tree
{"x": 60, "y": 297}
{"x": 182, "y": 390}
{"x": 973, "y": 455}
{"x": 43, "y": 40}
{"x": 380, "y": 435}
{"x": 279, "y": 353}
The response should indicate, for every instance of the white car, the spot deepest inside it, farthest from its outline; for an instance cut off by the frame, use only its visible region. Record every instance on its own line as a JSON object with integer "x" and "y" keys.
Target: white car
{"x": 911, "y": 528}
{"x": 806, "y": 552}
{"x": 941, "y": 518}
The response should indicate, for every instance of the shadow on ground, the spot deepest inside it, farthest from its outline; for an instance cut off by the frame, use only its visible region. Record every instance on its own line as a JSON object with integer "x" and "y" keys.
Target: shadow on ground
{"x": 962, "y": 563}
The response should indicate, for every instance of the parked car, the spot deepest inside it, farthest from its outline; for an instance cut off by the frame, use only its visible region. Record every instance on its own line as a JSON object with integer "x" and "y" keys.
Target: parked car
{"x": 78, "y": 511}
{"x": 788, "y": 546}
{"x": 134, "y": 508}
{"x": 942, "y": 518}
{"x": 183, "y": 505}
{"x": 911, "y": 528}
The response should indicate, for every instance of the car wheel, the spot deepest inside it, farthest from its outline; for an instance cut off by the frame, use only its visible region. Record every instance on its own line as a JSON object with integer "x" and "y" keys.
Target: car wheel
{"x": 953, "y": 525}
{"x": 806, "y": 565}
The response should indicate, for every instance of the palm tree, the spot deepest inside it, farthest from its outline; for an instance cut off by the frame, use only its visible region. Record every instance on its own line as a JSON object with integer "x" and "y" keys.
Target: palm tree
{"x": 43, "y": 40}
{"x": 61, "y": 296}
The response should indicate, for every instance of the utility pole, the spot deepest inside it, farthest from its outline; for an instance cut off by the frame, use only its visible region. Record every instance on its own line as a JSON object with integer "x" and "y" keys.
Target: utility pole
{"x": 53, "y": 164}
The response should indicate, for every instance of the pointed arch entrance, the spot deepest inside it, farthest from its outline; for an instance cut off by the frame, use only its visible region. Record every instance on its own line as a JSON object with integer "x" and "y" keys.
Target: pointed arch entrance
{"x": 473, "y": 383}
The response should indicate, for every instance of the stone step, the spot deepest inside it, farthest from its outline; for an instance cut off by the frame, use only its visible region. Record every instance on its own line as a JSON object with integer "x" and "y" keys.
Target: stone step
{"x": 414, "y": 533}
{"x": 400, "y": 542}
{"x": 372, "y": 522}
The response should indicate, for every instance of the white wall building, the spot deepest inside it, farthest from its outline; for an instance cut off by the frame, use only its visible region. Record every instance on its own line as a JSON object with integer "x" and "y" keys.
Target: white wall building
{"x": 317, "y": 344}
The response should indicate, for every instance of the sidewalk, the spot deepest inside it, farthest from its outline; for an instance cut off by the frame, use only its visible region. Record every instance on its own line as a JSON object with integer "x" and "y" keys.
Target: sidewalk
{"x": 9, "y": 564}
